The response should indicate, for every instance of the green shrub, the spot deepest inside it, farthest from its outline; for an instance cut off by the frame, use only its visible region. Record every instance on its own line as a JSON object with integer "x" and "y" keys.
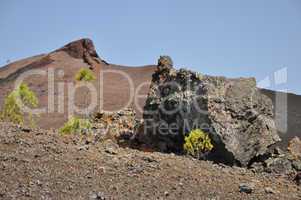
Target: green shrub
{"x": 84, "y": 75}
{"x": 12, "y": 110}
{"x": 77, "y": 126}
{"x": 197, "y": 143}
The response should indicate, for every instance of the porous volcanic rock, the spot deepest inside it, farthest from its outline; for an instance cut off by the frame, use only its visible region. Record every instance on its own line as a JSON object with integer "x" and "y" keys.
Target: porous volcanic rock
{"x": 165, "y": 63}
{"x": 294, "y": 147}
{"x": 238, "y": 117}
{"x": 117, "y": 126}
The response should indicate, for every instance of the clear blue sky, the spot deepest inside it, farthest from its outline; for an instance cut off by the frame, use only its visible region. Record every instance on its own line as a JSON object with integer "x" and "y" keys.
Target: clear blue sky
{"x": 232, "y": 38}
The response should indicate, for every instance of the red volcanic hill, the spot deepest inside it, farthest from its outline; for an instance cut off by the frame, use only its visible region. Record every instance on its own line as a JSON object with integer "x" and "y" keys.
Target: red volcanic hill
{"x": 118, "y": 86}
{"x": 119, "y": 83}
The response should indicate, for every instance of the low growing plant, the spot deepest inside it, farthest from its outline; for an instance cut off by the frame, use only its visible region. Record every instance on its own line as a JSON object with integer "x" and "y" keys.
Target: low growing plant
{"x": 84, "y": 75}
{"x": 12, "y": 110}
{"x": 76, "y": 125}
{"x": 197, "y": 143}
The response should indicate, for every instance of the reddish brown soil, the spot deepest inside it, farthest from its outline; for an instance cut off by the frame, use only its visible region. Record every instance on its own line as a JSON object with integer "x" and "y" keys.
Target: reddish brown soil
{"x": 38, "y": 164}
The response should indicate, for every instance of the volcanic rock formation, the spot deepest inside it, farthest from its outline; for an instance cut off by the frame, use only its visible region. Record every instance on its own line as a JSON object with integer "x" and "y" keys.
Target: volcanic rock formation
{"x": 238, "y": 117}
{"x": 83, "y": 49}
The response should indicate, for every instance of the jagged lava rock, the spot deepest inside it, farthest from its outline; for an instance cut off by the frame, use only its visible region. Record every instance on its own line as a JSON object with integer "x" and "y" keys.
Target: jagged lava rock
{"x": 119, "y": 125}
{"x": 238, "y": 117}
{"x": 294, "y": 147}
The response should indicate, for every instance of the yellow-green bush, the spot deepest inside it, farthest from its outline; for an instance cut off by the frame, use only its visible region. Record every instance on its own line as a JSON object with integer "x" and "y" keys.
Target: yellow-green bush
{"x": 77, "y": 126}
{"x": 84, "y": 75}
{"x": 12, "y": 110}
{"x": 197, "y": 142}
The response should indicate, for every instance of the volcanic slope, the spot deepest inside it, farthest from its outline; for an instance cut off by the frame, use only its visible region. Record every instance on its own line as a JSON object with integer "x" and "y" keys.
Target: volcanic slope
{"x": 117, "y": 87}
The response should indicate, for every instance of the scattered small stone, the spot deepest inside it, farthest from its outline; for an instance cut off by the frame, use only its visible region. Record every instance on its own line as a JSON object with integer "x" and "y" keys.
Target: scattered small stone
{"x": 298, "y": 178}
{"x": 246, "y": 188}
{"x": 135, "y": 169}
{"x": 278, "y": 151}
{"x": 84, "y": 147}
{"x": 297, "y": 165}
{"x": 111, "y": 148}
{"x": 149, "y": 159}
{"x": 166, "y": 193}
{"x": 257, "y": 167}
{"x": 270, "y": 190}
{"x": 26, "y": 130}
{"x": 89, "y": 176}
{"x": 39, "y": 183}
{"x": 88, "y": 140}
{"x": 70, "y": 187}
{"x": 111, "y": 151}
{"x": 97, "y": 196}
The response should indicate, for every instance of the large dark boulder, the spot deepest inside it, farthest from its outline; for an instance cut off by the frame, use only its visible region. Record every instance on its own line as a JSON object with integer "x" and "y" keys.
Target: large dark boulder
{"x": 238, "y": 117}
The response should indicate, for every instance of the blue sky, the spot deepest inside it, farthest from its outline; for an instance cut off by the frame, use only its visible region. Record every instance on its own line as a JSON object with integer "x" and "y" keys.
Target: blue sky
{"x": 232, "y": 38}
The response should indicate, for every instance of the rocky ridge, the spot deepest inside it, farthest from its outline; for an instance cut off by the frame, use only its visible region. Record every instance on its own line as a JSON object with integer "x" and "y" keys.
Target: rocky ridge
{"x": 83, "y": 49}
